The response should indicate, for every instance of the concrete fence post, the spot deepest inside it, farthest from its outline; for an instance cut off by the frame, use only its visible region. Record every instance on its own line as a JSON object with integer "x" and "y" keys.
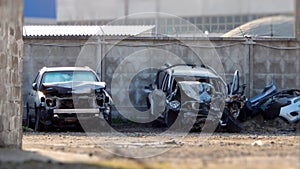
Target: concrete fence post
{"x": 297, "y": 19}
{"x": 251, "y": 67}
{"x": 11, "y": 51}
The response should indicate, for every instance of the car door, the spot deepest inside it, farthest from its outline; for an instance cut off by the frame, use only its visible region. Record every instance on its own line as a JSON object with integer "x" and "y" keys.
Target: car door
{"x": 32, "y": 95}
{"x": 165, "y": 83}
{"x": 160, "y": 79}
{"x": 157, "y": 97}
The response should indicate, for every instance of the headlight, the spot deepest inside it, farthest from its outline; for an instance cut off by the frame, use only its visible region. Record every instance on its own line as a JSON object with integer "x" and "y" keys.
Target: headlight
{"x": 227, "y": 100}
{"x": 51, "y": 102}
{"x": 107, "y": 110}
{"x": 174, "y": 105}
{"x": 195, "y": 105}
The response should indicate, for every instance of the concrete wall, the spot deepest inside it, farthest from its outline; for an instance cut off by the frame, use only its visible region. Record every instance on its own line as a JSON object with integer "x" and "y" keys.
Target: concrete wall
{"x": 129, "y": 65}
{"x": 11, "y": 51}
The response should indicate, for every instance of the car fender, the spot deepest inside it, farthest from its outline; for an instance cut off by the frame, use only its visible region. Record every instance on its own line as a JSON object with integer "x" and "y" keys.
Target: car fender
{"x": 291, "y": 111}
{"x": 38, "y": 97}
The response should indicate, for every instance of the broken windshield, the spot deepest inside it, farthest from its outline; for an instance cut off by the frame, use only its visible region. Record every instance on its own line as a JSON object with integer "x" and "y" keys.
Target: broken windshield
{"x": 66, "y": 76}
{"x": 194, "y": 89}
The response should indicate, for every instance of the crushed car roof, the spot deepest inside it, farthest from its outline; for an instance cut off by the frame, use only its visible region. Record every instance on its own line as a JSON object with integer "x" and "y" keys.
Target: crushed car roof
{"x": 49, "y": 69}
{"x": 184, "y": 70}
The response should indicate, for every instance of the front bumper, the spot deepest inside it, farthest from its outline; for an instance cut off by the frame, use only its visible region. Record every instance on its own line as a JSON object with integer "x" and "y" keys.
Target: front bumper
{"x": 76, "y": 114}
{"x": 67, "y": 116}
{"x": 195, "y": 108}
{"x": 76, "y": 111}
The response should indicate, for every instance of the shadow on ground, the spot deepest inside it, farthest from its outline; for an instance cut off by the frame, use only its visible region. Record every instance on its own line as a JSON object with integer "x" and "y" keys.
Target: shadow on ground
{"x": 19, "y": 159}
{"x": 47, "y": 165}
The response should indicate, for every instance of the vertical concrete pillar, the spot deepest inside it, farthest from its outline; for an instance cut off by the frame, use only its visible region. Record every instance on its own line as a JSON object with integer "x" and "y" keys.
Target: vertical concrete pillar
{"x": 251, "y": 70}
{"x": 297, "y": 19}
{"x": 11, "y": 51}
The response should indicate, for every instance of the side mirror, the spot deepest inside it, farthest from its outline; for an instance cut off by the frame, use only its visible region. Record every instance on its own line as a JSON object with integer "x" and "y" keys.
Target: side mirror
{"x": 148, "y": 89}
{"x": 34, "y": 86}
{"x": 235, "y": 83}
{"x": 150, "y": 86}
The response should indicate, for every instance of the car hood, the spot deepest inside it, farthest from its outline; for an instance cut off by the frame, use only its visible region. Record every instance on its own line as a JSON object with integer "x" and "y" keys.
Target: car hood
{"x": 72, "y": 87}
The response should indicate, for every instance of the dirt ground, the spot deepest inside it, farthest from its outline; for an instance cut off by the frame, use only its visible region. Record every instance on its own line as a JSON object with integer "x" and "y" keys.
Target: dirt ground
{"x": 262, "y": 146}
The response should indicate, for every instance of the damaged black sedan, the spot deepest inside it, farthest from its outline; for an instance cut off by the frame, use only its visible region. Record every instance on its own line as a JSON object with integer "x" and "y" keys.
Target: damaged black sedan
{"x": 66, "y": 95}
{"x": 184, "y": 95}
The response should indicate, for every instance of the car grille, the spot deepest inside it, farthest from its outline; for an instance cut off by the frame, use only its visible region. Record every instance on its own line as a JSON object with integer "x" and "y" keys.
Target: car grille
{"x": 66, "y": 104}
{"x": 76, "y": 103}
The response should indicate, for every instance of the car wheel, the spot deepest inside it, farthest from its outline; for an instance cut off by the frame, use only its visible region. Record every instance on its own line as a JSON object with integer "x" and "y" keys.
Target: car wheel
{"x": 30, "y": 123}
{"x": 26, "y": 122}
{"x": 233, "y": 125}
{"x": 170, "y": 118}
{"x": 108, "y": 117}
{"x": 272, "y": 111}
{"x": 38, "y": 126}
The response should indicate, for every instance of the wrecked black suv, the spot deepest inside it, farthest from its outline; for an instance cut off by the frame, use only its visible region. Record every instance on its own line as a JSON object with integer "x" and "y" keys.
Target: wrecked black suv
{"x": 187, "y": 93}
{"x": 64, "y": 95}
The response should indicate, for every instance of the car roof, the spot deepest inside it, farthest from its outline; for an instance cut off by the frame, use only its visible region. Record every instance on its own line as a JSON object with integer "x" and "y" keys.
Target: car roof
{"x": 50, "y": 69}
{"x": 55, "y": 69}
{"x": 196, "y": 71}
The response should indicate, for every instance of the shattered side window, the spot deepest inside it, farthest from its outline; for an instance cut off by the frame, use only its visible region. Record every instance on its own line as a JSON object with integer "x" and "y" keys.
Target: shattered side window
{"x": 161, "y": 77}
{"x": 165, "y": 85}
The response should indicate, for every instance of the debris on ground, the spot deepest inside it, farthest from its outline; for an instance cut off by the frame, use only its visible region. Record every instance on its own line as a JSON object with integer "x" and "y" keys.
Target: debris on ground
{"x": 258, "y": 124}
{"x": 257, "y": 143}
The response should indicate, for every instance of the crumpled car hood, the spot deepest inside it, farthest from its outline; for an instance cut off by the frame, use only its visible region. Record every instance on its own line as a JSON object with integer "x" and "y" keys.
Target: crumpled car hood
{"x": 72, "y": 87}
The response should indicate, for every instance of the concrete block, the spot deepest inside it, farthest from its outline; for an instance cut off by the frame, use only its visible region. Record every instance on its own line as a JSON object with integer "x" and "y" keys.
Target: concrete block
{"x": 11, "y": 49}
{"x": 260, "y": 81}
{"x": 291, "y": 66}
{"x": 261, "y": 67}
{"x": 289, "y": 81}
{"x": 276, "y": 67}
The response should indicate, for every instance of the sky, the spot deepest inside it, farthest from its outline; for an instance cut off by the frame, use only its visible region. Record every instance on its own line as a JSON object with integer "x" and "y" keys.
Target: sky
{"x": 40, "y": 8}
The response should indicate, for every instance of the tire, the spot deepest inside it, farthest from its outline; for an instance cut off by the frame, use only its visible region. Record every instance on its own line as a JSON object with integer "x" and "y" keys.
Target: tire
{"x": 170, "y": 118}
{"x": 233, "y": 125}
{"x": 27, "y": 120}
{"x": 30, "y": 123}
{"x": 158, "y": 123}
{"x": 273, "y": 111}
{"x": 108, "y": 119}
{"x": 38, "y": 126}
